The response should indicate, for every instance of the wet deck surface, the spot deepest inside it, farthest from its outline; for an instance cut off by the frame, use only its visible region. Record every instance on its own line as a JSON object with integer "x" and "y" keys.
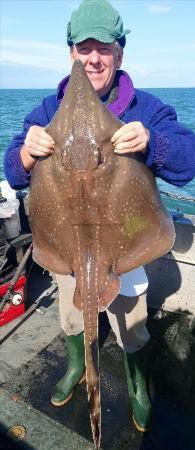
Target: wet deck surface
{"x": 173, "y": 368}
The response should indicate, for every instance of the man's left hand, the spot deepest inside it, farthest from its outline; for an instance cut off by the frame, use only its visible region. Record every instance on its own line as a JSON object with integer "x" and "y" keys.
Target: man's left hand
{"x": 131, "y": 137}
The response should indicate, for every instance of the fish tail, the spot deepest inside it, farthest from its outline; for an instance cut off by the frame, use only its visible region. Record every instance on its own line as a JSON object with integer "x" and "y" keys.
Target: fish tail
{"x": 90, "y": 314}
{"x": 92, "y": 370}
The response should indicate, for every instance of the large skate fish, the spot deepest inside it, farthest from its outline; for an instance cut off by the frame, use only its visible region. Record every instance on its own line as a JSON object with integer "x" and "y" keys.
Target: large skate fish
{"x": 94, "y": 213}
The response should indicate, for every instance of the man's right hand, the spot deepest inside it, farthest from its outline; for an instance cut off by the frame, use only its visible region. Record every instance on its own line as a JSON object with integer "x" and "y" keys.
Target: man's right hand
{"x": 37, "y": 143}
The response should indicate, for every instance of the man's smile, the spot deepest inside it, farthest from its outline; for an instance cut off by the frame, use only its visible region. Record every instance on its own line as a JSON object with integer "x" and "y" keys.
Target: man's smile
{"x": 95, "y": 73}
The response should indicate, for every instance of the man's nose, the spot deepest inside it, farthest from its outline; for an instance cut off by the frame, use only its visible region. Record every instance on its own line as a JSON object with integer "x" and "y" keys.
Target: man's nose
{"x": 94, "y": 57}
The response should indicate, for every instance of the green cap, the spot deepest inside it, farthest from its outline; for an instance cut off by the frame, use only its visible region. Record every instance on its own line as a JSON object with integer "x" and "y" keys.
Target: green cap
{"x": 96, "y": 19}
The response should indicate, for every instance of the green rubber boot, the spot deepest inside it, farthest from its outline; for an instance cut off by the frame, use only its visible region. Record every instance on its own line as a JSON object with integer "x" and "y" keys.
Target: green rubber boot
{"x": 75, "y": 374}
{"x": 136, "y": 365}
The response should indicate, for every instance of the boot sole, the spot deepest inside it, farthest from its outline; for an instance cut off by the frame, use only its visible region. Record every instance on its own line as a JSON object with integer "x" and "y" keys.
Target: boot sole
{"x": 139, "y": 428}
{"x": 67, "y": 399}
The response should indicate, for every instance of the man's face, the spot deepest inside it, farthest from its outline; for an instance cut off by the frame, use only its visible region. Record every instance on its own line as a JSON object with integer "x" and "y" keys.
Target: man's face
{"x": 100, "y": 62}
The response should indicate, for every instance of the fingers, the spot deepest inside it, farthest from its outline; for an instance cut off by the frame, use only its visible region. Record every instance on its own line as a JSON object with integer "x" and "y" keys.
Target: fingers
{"x": 129, "y": 146}
{"x": 131, "y": 137}
{"x": 36, "y": 147}
{"x": 38, "y": 150}
{"x": 38, "y": 142}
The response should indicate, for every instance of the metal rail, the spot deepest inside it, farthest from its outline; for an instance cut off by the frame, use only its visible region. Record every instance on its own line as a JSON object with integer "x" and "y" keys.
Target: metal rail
{"x": 177, "y": 196}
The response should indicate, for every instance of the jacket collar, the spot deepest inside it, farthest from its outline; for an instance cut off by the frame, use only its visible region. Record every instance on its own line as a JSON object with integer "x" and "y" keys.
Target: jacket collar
{"x": 126, "y": 93}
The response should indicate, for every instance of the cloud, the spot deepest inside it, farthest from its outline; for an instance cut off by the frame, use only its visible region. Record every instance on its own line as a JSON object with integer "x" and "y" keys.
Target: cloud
{"x": 171, "y": 75}
{"x": 30, "y": 45}
{"x": 43, "y": 55}
{"x": 174, "y": 49}
{"x": 156, "y": 75}
{"x": 159, "y": 9}
{"x": 141, "y": 70}
{"x": 144, "y": 72}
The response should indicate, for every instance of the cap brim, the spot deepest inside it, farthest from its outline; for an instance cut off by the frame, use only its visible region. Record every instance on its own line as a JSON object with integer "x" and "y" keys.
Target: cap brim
{"x": 91, "y": 35}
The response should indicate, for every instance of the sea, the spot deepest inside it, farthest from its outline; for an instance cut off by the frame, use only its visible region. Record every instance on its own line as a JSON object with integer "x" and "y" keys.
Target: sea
{"x": 16, "y": 103}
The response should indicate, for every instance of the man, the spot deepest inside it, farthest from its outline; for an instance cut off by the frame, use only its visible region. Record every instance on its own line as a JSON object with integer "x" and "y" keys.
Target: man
{"x": 96, "y": 36}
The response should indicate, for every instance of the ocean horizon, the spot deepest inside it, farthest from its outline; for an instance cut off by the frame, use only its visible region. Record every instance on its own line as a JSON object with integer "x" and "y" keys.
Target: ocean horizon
{"x": 15, "y": 106}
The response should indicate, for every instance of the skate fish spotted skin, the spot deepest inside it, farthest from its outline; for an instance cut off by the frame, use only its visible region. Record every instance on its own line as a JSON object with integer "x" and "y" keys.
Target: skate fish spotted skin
{"x": 94, "y": 213}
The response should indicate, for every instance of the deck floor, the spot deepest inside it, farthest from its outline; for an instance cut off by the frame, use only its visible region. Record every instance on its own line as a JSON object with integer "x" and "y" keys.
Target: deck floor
{"x": 33, "y": 359}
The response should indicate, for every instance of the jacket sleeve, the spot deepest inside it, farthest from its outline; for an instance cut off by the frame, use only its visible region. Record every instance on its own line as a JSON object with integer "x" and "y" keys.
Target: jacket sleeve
{"x": 14, "y": 170}
{"x": 171, "y": 150}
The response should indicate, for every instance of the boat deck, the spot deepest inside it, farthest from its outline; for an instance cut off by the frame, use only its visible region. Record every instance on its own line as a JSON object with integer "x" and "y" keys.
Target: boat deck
{"x": 32, "y": 360}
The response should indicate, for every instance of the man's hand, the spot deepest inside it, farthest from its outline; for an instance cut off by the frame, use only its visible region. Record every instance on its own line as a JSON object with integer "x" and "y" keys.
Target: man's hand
{"x": 37, "y": 143}
{"x": 131, "y": 137}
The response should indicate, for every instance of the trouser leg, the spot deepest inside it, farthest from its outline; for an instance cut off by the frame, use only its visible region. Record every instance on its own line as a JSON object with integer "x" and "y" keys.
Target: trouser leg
{"x": 71, "y": 318}
{"x": 127, "y": 317}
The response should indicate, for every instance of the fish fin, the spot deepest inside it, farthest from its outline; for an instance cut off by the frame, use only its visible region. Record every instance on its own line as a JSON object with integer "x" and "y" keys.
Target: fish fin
{"x": 49, "y": 259}
{"x": 110, "y": 291}
{"x": 77, "y": 299}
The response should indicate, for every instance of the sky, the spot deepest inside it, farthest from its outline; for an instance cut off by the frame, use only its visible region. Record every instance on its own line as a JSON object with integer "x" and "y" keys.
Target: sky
{"x": 160, "y": 50}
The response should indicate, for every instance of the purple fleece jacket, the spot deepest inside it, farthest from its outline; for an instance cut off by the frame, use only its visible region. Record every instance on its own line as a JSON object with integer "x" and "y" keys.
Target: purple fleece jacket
{"x": 171, "y": 150}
